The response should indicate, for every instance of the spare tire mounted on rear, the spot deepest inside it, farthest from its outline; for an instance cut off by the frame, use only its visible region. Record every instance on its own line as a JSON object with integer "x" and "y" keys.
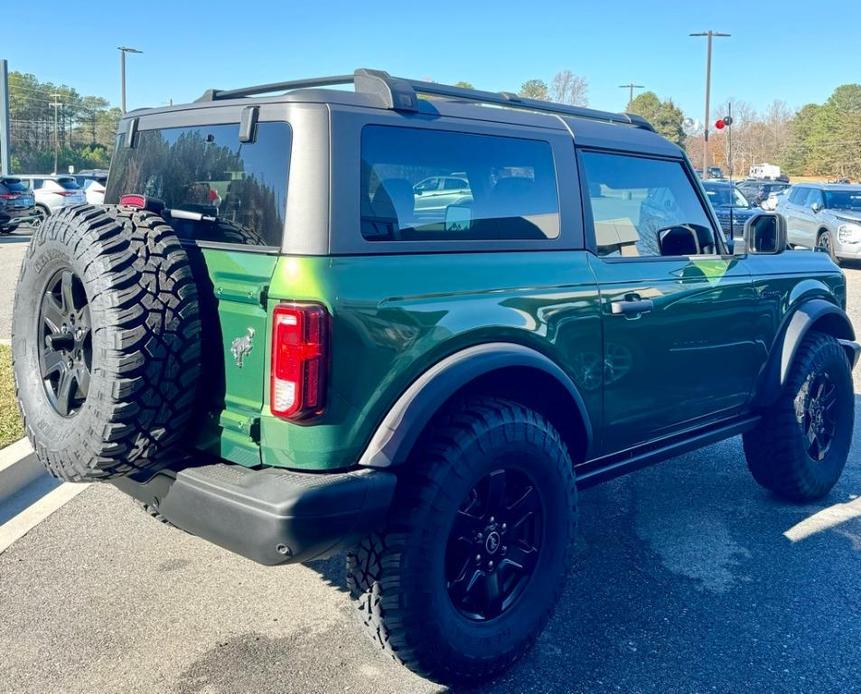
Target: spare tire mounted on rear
{"x": 106, "y": 342}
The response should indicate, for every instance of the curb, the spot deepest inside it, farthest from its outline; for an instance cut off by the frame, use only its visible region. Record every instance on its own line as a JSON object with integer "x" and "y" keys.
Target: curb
{"x": 28, "y": 494}
{"x": 18, "y": 468}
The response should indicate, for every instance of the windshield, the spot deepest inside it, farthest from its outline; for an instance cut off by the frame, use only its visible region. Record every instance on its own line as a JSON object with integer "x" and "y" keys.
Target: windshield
{"x": 843, "y": 200}
{"x": 724, "y": 196}
{"x": 207, "y": 170}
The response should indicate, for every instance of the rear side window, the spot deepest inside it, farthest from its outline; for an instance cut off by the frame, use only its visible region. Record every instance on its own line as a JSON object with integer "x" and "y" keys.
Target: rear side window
{"x": 645, "y": 207}
{"x": 494, "y": 187}
{"x": 240, "y": 188}
{"x": 68, "y": 183}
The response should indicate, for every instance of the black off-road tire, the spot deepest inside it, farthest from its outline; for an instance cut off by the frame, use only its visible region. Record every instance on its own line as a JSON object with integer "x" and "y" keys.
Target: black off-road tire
{"x": 397, "y": 578}
{"x": 131, "y": 271}
{"x": 154, "y": 513}
{"x": 825, "y": 242}
{"x": 778, "y": 451}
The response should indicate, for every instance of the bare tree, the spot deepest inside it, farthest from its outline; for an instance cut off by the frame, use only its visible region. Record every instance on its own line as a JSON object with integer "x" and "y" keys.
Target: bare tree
{"x": 568, "y": 88}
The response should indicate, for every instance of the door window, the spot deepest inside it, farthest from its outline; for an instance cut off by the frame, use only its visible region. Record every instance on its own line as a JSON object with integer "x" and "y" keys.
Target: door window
{"x": 506, "y": 187}
{"x": 815, "y": 196}
{"x": 797, "y": 196}
{"x": 645, "y": 207}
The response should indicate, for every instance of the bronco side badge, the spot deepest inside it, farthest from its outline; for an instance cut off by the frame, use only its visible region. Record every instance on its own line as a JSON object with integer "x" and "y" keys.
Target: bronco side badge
{"x": 241, "y": 347}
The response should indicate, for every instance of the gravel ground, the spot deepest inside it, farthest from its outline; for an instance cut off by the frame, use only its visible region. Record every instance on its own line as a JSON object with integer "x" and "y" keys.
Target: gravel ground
{"x": 689, "y": 578}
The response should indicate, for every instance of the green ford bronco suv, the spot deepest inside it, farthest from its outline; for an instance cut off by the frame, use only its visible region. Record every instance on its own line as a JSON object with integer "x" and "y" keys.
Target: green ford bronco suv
{"x": 411, "y": 321}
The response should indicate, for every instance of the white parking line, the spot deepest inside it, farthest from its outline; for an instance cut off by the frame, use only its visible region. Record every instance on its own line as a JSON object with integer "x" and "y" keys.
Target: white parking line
{"x": 825, "y": 519}
{"x": 37, "y": 511}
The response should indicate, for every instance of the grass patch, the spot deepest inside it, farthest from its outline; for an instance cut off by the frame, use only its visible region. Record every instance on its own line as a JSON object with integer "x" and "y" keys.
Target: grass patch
{"x": 10, "y": 420}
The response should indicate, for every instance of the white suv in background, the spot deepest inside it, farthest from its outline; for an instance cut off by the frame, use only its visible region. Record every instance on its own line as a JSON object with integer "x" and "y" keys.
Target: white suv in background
{"x": 93, "y": 185}
{"x": 53, "y": 193}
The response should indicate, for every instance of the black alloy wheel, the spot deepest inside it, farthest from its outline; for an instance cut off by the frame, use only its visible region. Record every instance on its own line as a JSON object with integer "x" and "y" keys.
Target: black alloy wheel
{"x": 816, "y": 415}
{"x": 65, "y": 342}
{"x": 494, "y": 544}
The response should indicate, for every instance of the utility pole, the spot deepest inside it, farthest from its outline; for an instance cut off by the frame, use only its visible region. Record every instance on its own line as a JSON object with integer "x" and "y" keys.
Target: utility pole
{"x": 631, "y": 87}
{"x": 5, "y": 137}
{"x": 709, "y": 35}
{"x": 56, "y": 104}
{"x": 123, "y": 50}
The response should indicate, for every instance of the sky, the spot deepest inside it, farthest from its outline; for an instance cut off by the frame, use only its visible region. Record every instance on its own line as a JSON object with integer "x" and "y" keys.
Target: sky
{"x": 790, "y": 50}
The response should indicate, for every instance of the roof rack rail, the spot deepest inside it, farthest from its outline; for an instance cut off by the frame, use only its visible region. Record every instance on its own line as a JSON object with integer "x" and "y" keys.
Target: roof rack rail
{"x": 402, "y": 95}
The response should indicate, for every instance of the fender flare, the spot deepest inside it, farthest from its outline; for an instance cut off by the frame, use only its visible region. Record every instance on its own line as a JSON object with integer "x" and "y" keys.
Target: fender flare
{"x": 790, "y": 337}
{"x": 396, "y": 435}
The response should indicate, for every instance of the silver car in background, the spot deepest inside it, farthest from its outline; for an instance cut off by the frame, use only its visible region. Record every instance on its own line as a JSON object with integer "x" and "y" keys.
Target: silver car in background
{"x": 825, "y": 216}
{"x": 53, "y": 192}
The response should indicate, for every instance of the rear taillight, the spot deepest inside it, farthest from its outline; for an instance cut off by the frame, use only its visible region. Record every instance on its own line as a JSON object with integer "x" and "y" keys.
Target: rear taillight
{"x": 9, "y": 196}
{"x": 300, "y": 357}
{"x": 67, "y": 193}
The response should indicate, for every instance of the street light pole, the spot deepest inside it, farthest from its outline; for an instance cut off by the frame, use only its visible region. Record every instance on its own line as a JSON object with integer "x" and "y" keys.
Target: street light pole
{"x": 123, "y": 50}
{"x": 56, "y": 104}
{"x": 631, "y": 87}
{"x": 709, "y": 35}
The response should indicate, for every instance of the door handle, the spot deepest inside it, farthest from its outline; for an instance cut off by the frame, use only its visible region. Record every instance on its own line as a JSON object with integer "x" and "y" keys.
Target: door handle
{"x": 631, "y": 307}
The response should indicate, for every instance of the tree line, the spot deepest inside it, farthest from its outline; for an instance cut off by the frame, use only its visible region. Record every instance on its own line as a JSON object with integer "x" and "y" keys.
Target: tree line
{"x": 814, "y": 140}
{"x": 84, "y": 126}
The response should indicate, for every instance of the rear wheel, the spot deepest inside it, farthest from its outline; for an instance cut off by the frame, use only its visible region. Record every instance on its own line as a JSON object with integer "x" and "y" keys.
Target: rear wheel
{"x": 42, "y": 214}
{"x": 478, "y": 545}
{"x": 6, "y": 230}
{"x": 800, "y": 447}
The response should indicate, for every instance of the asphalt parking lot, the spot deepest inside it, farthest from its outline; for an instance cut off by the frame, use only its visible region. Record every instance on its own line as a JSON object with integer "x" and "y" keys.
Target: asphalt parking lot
{"x": 688, "y": 578}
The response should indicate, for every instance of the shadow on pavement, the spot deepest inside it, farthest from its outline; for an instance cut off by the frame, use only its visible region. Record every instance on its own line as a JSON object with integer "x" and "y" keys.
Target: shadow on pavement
{"x": 686, "y": 579}
{"x": 16, "y": 237}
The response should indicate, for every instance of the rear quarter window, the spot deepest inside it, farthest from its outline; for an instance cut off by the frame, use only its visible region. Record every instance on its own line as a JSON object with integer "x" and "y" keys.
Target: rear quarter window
{"x": 501, "y": 188}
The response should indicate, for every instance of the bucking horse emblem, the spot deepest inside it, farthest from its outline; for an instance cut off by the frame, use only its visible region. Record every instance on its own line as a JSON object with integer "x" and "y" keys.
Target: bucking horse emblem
{"x": 241, "y": 347}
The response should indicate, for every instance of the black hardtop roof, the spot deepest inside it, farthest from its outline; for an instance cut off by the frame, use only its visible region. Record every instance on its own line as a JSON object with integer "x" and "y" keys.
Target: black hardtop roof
{"x": 377, "y": 89}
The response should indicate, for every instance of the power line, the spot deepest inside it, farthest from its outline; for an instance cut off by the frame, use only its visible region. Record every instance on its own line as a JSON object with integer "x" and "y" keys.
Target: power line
{"x": 631, "y": 87}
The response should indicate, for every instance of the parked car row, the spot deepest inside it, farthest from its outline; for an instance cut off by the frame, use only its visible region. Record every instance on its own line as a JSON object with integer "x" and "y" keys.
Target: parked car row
{"x": 17, "y": 204}
{"x": 30, "y": 199}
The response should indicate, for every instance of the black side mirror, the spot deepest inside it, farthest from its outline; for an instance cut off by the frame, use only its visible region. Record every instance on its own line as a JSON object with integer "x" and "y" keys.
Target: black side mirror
{"x": 678, "y": 240}
{"x": 765, "y": 233}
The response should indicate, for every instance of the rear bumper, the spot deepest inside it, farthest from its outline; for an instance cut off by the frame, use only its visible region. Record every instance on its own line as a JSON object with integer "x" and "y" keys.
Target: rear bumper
{"x": 272, "y": 516}
{"x": 15, "y": 218}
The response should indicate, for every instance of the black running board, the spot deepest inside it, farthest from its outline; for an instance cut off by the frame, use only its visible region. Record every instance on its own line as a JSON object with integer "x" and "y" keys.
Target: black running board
{"x": 609, "y": 467}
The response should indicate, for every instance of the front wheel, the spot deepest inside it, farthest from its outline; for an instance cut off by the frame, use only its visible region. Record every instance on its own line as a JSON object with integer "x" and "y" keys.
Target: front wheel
{"x": 825, "y": 243}
{"x": 5, "y": 231}
{"x": 800, "y": 447}
{"x": 478, "y": 545}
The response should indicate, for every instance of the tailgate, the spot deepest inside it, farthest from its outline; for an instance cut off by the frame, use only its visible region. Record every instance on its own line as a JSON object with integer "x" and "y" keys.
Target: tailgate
{"x": 235, "y": 329}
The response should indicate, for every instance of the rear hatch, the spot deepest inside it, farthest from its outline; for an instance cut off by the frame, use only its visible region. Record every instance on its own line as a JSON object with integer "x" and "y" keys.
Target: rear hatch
{"x": 229, "y": 200}
{"x": 16, "y": 199}
{"x": 71, "y": 192}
